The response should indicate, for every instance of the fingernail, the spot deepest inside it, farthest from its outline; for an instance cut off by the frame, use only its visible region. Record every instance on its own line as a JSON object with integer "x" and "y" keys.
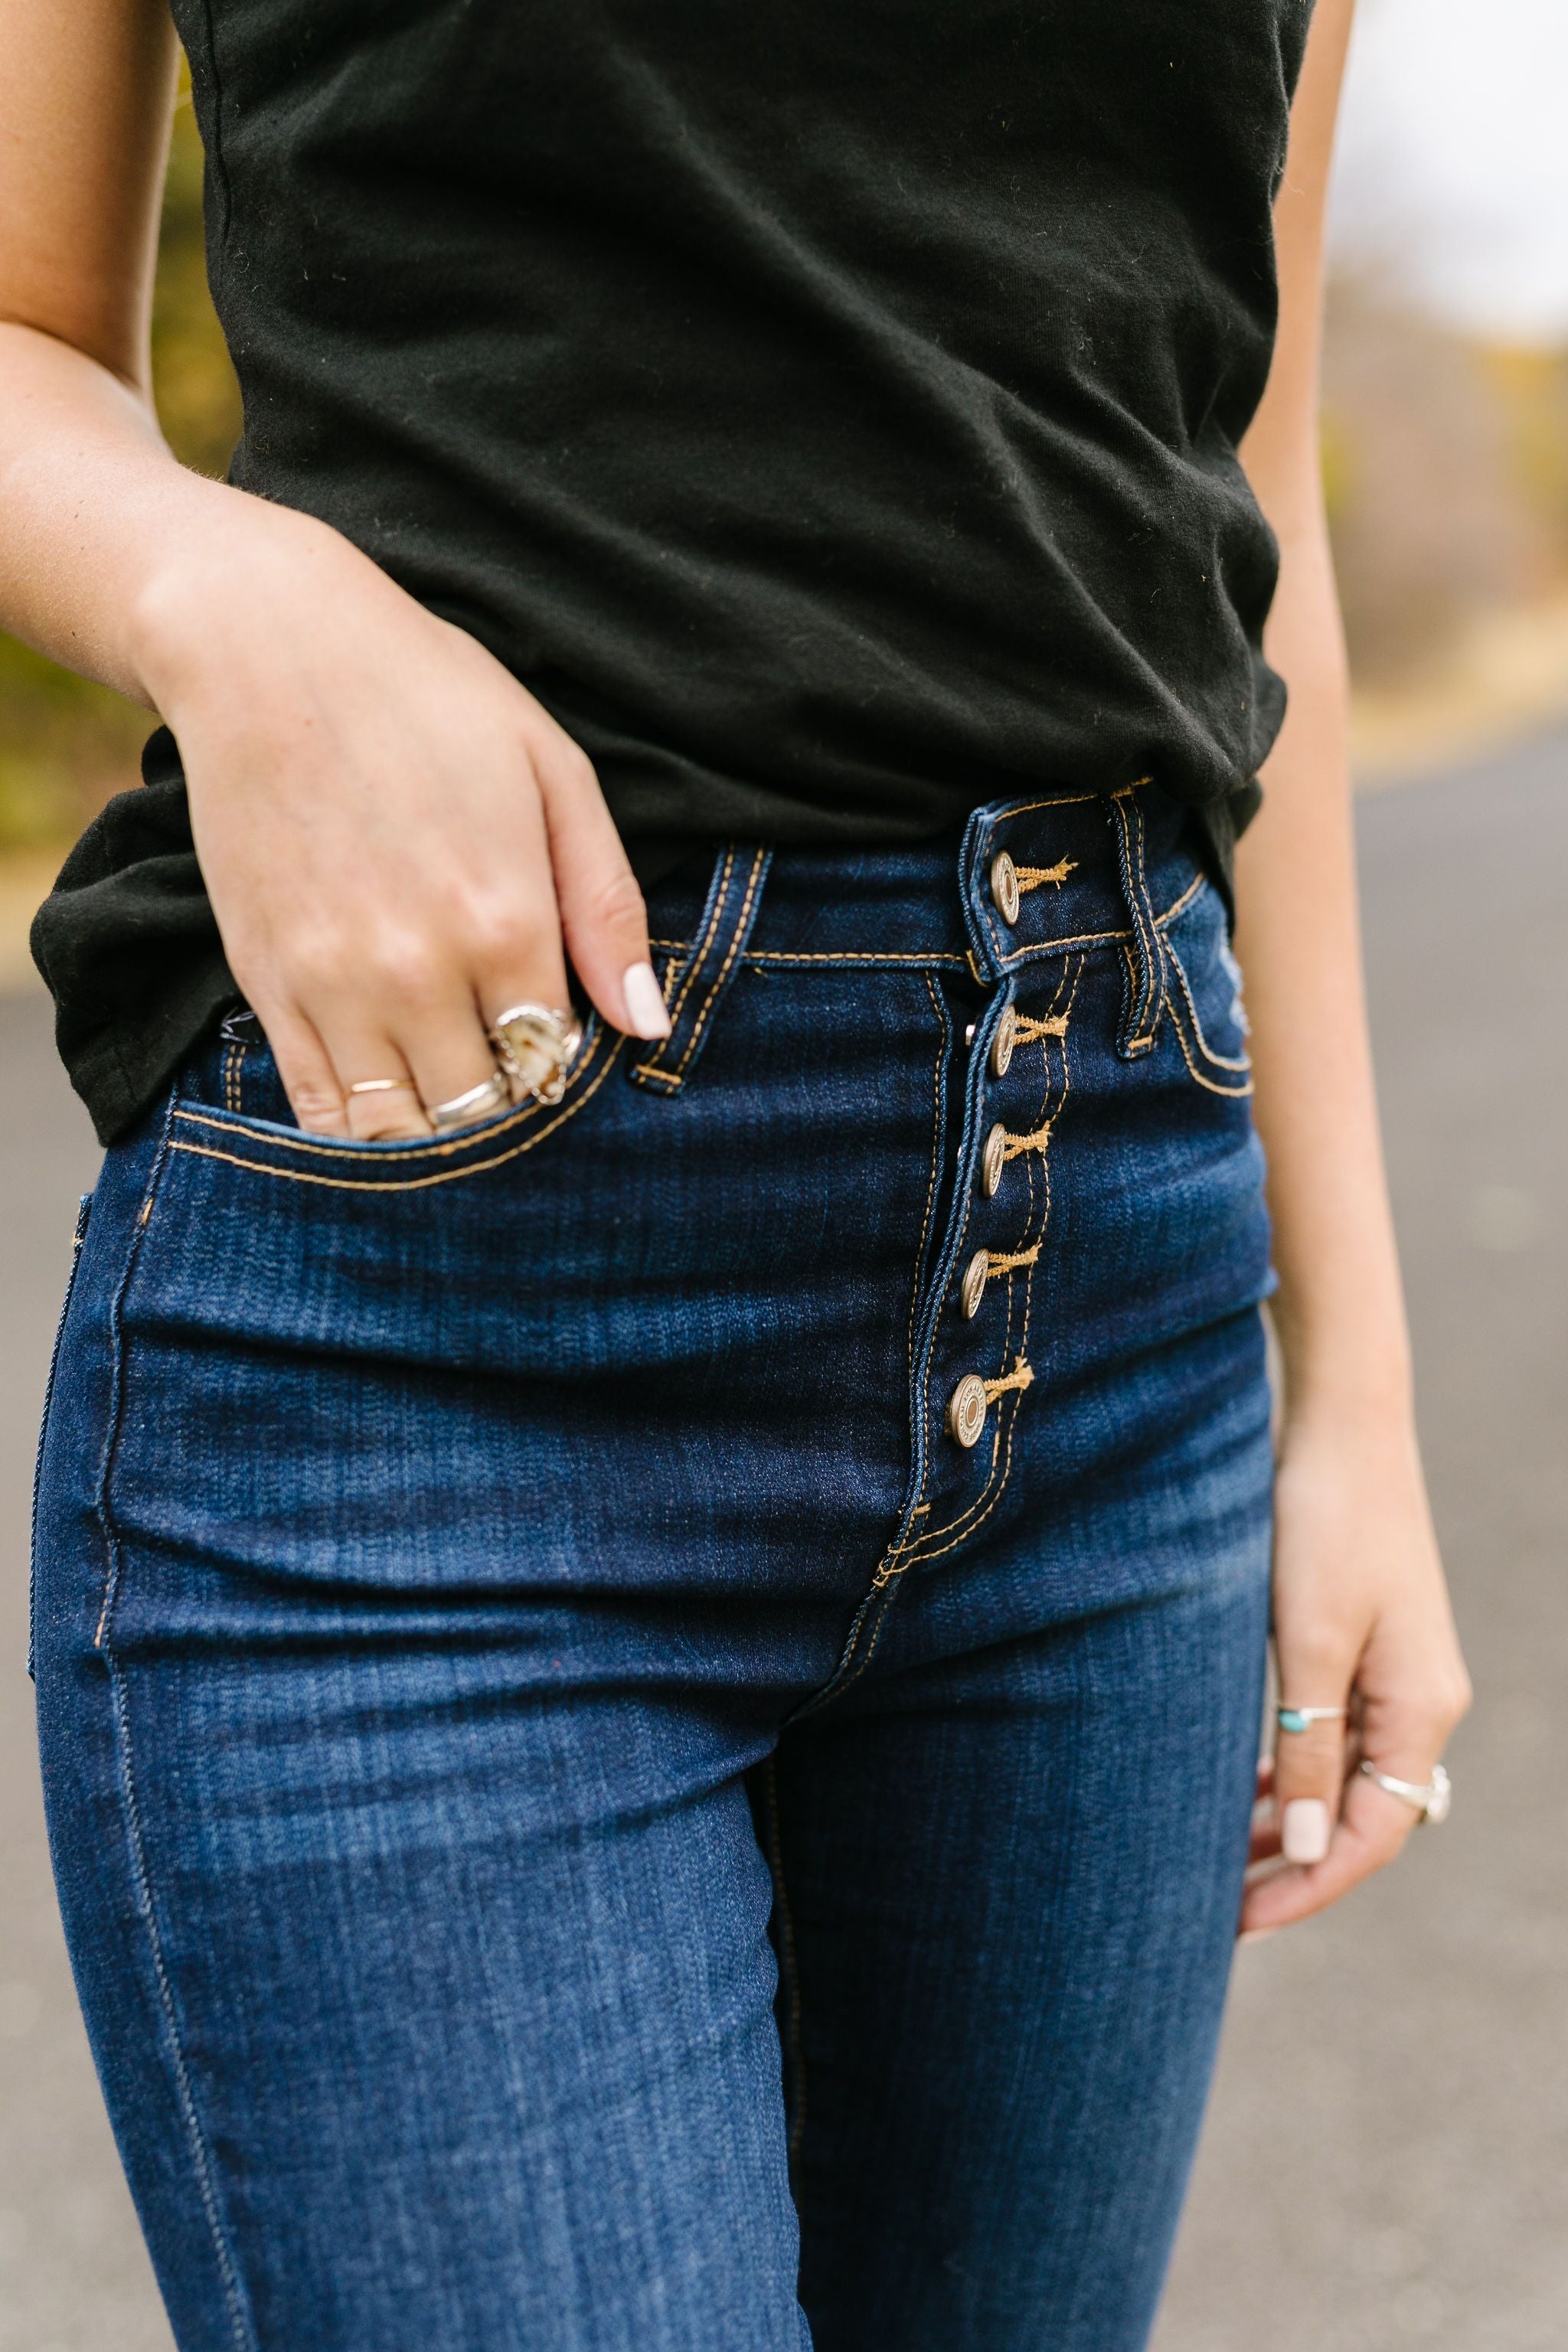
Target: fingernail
{"x": 1257, "y": 1934}
{"x": 1304, "y": 1827}
{"x": 646, "y": 1009}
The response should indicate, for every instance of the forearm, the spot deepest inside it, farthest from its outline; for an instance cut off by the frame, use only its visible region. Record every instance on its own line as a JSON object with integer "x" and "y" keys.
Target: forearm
{"x": 101, "y": 529}
{"x": 1339, "y": 1310}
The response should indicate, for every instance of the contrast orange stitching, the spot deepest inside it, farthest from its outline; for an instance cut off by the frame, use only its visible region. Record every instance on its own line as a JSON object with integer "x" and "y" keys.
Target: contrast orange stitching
{"x": 1057, "y": 946}
{"x": 414, "y": 1183}
{"x": 1027, "y": 1032}
{"x": 965, "y": 1525}
{"x": 999, "y": 1262}
{"x": 1199, "y": 882}
{"x": 1066, "y": 799}
{"x": 1020, "y": 1376}
{"x": 715, "y": 915}
{"x": 652, "y": 1069}
{"x": 1220, "y": 1061}
{"x": 737, "y": 934}
{"x": 895, "y": 1564}
{"x": 885, "y": 1571}
{"x": 855, "y": 955}
{"x": 1131, "y": 820}
{"x": 368, "y": 1154}
{"x": 1100, "y": 938}
{"x": 1016, "y": 1145}
{"x": 1030, "y": 878}
{"x": 942, "y": 1038}
{"x": 1213, "y": 1086}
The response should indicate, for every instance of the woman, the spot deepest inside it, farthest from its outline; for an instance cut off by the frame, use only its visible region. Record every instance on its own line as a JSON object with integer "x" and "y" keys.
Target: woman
{"x": 547, "y": 1540}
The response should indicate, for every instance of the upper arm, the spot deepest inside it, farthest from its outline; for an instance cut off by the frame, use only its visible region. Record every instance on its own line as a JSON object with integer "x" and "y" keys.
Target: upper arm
{"x": 85, "y": 104}
{"x": 1281, "y": 451}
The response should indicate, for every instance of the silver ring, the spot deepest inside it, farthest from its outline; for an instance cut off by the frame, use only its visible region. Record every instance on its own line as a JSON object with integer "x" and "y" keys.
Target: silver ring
{"x": 381, "y": 1086}
{"x": 536, "y": 1045}
{"x": 1297, "y": 1718}
{"x": 1431, "y": 1799}
{"x": 474, "y": 1104}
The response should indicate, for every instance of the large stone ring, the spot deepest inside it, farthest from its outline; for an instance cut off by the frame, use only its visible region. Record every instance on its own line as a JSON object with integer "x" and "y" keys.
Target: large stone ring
{"x": 1430, "y": 1798}
{"x": 536, "y": 1046}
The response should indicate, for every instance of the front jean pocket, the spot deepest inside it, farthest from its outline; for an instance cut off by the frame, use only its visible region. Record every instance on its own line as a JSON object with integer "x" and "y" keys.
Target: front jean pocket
{"x": 208, "y": 1122}
{"x": 1203, "y": 997}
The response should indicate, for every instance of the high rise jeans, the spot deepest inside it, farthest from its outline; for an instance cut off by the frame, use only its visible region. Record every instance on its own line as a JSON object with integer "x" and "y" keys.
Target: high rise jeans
{"x": 648, "y": 1713}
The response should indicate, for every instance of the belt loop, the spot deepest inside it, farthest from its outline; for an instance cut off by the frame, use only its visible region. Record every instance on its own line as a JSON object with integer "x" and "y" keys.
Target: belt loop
{"x": 693, "y": 987}
{"x": 1145, "y": 965}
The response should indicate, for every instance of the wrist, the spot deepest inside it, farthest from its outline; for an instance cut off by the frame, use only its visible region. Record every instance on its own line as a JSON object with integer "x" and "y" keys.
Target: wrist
{"x": 1370, "y": 1394}
{"x": 224, "y": 560}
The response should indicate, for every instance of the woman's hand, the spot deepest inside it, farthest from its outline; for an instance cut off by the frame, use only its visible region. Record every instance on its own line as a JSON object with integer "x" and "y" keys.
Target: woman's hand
{"x": 1360, "y": 1621}
{"x": 398, "y": 841}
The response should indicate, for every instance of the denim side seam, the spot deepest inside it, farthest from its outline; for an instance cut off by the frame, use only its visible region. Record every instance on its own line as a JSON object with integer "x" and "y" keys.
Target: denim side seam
{"x": 84, "y": 1210}
{"x": 789, "y": 1964}
{"x": 242, "y": 2324}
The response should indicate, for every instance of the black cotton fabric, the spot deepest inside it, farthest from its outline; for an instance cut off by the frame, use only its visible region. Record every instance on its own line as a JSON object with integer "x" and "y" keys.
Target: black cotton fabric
{"x": 829, "y": 412}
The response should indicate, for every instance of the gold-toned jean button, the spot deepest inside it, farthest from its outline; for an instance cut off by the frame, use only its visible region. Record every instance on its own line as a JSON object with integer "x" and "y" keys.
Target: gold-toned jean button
{"x": 1004, "y": 887}
{"x": 993, "y": 1160}
{"x": 1002, "y": 1044}
{"x": 972, "y": 1290}
{"x": 966, "y": 1410}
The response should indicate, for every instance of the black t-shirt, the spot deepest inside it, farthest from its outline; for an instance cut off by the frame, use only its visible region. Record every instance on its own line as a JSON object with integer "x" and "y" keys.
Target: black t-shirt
{"x": 828, "y": 411}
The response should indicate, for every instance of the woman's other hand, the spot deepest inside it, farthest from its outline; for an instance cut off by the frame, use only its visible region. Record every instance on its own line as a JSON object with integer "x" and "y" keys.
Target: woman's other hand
{"x": 1362, "y": 1620}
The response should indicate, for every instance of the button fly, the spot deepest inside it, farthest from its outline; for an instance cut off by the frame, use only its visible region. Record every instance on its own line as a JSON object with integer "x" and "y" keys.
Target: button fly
{"x": 966, "y": 1410}
{"x": 993, "y": 1160}
{"x": 1004, "y": 887}
{"x": 972, "y": 1290}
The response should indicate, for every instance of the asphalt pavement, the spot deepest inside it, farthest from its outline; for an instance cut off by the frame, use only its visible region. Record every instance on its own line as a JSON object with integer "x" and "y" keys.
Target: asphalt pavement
{"x": 1387, "y": 2158}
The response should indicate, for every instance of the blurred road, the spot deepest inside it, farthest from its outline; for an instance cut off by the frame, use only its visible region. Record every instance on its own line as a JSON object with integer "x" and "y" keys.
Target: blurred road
{"x": 1387, "y": 2161}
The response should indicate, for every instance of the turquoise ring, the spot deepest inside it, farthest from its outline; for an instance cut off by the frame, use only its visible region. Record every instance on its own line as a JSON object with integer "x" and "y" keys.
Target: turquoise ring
{"x": 1298, "y": 1718}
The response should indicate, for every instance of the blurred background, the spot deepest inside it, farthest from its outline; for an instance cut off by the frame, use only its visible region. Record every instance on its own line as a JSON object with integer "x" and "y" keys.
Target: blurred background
{"x": 1386, "y": 2161}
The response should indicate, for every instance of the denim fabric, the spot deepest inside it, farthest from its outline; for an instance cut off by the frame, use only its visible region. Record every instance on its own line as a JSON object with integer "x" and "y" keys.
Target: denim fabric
{"x": 495, "y": 1598}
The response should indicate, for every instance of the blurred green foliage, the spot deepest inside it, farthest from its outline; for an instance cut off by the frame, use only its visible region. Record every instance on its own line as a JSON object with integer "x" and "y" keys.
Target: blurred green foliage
{"x": 64, "y": 744}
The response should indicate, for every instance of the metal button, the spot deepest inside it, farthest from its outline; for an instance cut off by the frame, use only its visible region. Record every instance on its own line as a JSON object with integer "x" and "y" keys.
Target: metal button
{"x": 993, "y": 1160}
{"x": 1004, "y": 887}
{"x": 972, "y": 1290}
{"x": 966, "y": 1410}
{"x": 1002, "y": 1044}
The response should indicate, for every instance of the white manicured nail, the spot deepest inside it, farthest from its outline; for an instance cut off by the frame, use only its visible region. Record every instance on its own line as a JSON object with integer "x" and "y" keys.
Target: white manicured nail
{"x": 1257, "y": 1934}
{"x": 1304, "y": 1827}
{"x": 646, "y": 1011}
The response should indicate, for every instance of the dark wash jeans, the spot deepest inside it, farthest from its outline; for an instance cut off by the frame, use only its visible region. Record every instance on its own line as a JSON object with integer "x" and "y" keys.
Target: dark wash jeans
{"x": 559, "y": 1762}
